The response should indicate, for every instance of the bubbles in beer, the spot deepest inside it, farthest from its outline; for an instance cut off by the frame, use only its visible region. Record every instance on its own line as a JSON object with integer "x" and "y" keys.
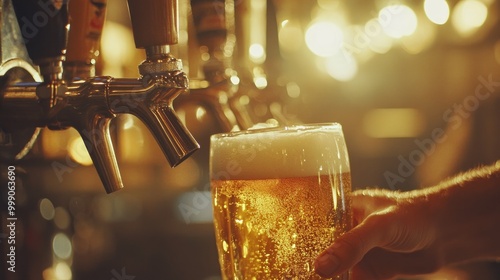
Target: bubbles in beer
{"x": 274, "y": 229}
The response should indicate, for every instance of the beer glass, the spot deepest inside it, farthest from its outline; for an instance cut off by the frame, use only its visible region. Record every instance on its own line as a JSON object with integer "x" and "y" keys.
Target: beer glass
{"x": 280, "y": 196}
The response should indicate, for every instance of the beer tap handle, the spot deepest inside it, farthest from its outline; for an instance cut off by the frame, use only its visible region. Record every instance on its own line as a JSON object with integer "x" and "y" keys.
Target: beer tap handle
{"x": 154, "y": 22}
{"x": 87, "y": 21}
{"x": 44, "y": 27}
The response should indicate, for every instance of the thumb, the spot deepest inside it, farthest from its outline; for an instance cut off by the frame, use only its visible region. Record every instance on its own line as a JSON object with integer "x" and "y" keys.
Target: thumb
{"x": 376, "y": 230}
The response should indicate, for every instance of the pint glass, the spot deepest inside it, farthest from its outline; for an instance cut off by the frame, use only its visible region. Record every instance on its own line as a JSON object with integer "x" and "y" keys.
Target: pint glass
{"x": 280, "y": 196}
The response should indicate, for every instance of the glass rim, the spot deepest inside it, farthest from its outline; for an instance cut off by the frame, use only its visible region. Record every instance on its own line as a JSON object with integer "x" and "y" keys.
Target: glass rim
{"x": 285, "y": 128}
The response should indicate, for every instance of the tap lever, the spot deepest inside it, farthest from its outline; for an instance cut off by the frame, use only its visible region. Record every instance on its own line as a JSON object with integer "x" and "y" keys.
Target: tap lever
{"x": 87, "y": 22}
{"x": 44, "y": 27}
{"x": 154, "y": 22}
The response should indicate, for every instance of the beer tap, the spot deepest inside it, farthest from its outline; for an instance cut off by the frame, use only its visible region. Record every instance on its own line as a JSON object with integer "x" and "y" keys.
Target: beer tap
{"x": 229, "y": 89}
{"x": 213, "y": 26}
{"x": 259, "y": 64}
{"x": 89, "y": 104}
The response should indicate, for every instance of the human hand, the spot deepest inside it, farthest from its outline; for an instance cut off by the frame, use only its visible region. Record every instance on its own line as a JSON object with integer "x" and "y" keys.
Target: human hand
{"x": 394, "y": 235}
{"x": 418, "y": 232}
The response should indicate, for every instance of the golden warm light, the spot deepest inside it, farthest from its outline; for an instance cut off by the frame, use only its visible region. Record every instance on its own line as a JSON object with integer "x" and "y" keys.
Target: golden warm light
{"x": 200, "y": 113}
{"x": 260, "y": 82}
{"x": 437, "y": 11}
{"x": 257, "y": 34}
{"x": 78, "y": 152}
{"x": 398, "y": 20}
{"x": 244, "y": 100}
{"x": 257, "y": 53}
{"x": 342, "y": 67}
{"x": 422, "y": 39}
{"x": 184, "y": 176}
{"x": 324, "y": 38}
{"x": 132, "y": 138}
{"x": 288, "y": 35}
{"x": 393, "y": 123}
{"x": 235, "y": 80}
{"x": 117, "y": 48}
{"x": 378, "y": 41}
{"x": 62, "y": 271}
{"x": 293, "y": 90}
{"x": 284, "y": 23}
{"x": 468, "y": 16}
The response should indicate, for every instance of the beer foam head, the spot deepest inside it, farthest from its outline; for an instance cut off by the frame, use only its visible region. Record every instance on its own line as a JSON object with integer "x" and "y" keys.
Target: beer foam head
{"x": 295, "y": 151}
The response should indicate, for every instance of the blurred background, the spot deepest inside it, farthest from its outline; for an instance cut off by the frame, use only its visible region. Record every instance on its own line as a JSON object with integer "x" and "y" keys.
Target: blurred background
{"x": 415, "y": 85}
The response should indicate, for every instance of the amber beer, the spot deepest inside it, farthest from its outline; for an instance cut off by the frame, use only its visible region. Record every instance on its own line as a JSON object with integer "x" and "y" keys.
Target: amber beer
{"x": 280, "y": 197}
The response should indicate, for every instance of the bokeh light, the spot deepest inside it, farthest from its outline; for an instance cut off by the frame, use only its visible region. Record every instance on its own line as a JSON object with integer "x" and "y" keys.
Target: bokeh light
{"x": 47, "y": 209}
{"x": 437, "y": 11}
{"x": 78, "y": 152}
{"x": 378, "y": 41}
{"x": 293, "y": 90}
{"x": 342, "y": 67}
{"x": 422, "y": 39}
{"x": 61, "y": 245}
{"x": 257, "y": 53}
{"x": 62, "y": 271}
{"x": 260, "y": 82}
{"x": 398, "y": 20}
{"x": 468, "y": 16}
{"x": 324, "y": 38}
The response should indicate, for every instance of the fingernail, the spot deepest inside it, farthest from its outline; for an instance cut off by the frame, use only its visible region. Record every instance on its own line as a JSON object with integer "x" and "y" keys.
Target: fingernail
{"x": 326, "y": 264}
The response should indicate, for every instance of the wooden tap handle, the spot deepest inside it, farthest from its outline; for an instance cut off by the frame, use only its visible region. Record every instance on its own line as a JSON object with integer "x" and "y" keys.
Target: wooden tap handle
{"x": 86, "y": 22}
{"x": 154, "y": 22}
{"x": 210, "y": 22}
